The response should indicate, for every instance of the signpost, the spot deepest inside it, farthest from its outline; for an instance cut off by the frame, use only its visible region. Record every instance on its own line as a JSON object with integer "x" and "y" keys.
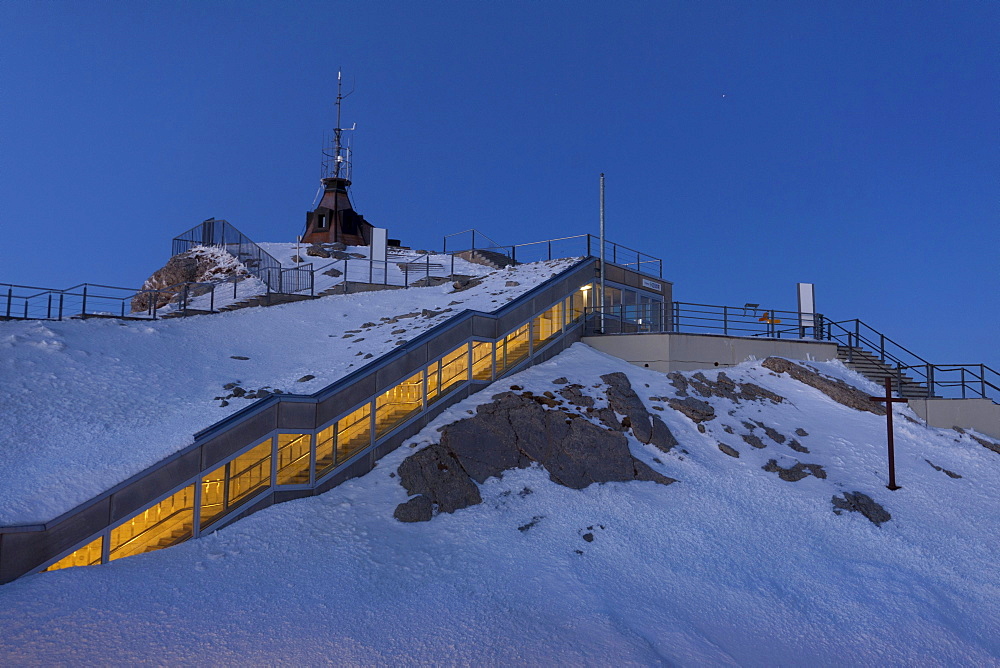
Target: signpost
{"x": 889, "y": 400}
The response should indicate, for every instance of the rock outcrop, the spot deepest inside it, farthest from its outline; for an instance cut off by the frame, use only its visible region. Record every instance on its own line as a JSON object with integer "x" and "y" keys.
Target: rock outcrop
{"x": 515, "y": 431}
{"x": 857, "y": 502}
{"x": 201, "y": 264}
{"x": 836, "y": 389}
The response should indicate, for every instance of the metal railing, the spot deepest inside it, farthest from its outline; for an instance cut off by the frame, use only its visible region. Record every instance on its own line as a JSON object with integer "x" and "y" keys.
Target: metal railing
{"x": 940, "y": 380}
{"x": 91, "y": 300}
{"x": 683, "y": 317}
{"x": 580, "y": 245}
{"x": 260, "y": 263}
{"x": 911, "y": 373}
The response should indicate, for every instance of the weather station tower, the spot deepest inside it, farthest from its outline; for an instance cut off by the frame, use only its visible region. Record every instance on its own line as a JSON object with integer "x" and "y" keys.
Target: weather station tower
{"x": 335, "y": 219}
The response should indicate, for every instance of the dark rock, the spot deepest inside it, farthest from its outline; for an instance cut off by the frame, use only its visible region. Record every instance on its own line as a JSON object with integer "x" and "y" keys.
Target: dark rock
{"x": 369, "y": 324}
{"x": 662, "y": 437}
{"x": 436, "y": 473}
{"x": 317, "y": 251}
{"x": 229, "y": 386}
{"x": 562, "y": 380}
{"x": 513, "y": 432}
{"x": 679, "y": 382}
{"x": 512, "y": 284}
{"x": 772, "y": 433}
{"x": 334, "y": 272}
{"x": 223, "y": 403}
{"x": 795, "y": 473}
{"x": 239, "y": 391}
{"x": 799, "y": 431}
{"x": 534, "y": 520}
{"x": 336, "y": 246}
{"x": 238, "y": 357}
{"x": 573, "y": 394}
{"x": 798, "y": 447}
{"x": 754, "y": 440}
{"x": 950, "y": 474}
{"x": 589, "y": 537}
{"x": 728, "y": 429}
{"x": 857, "y": 502}
{"x": 834, "y": 388}
{"x": 417, "y": 509}
{"x": 396, "y": 332}
{"x": 305, "y": 378}
{"x": 623, "y": 400}
{"x": 702, "y": 429}
{"x": 989, "y": 445}
{"x": 695, "y": 409}
{"x": 465, "y": 284}
{"x": 729, "y": 450}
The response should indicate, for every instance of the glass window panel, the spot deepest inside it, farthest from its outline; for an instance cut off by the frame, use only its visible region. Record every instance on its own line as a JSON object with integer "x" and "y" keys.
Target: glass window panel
{"x": 167, "y": 523}
{"x": 482, "y": 360}
{"x": 325, "y": 451}
{"x": 293, "y": 459}
{"x": 213, "y": 496}
{"x": 399, "y": 403}
{"x": 612, "y": 296}
{"x": 434, "y": 382}
{"x": 354, "y": 433}
{"x": 454, "y": 369}
{"x": 88, "y": 555}
{"x": 547, "y": 325}
{"x": 515, "y": 348}
{"x": 582, "y": 299}
{"x": 249, "y": 474}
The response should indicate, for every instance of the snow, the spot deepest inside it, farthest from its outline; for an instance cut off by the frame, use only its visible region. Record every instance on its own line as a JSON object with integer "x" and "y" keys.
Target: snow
{"x": 729, "y": 566}
{"x": 84, "y": 405}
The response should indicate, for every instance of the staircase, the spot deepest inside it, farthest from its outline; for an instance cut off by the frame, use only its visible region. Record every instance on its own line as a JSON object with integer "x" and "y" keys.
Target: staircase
{"x": 486, "y": 257}
{"x": 875, "y": 370}
{"x": 269, "y": 299}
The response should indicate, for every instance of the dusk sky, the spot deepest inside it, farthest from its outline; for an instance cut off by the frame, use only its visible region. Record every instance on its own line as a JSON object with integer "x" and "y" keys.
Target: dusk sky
{"x": 855, "y": 145}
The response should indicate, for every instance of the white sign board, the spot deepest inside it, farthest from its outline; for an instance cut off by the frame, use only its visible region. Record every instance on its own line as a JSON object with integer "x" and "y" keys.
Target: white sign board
{"x": 380, "y": 237}
{"x": 652, "y": 285}
{"x": 807, "y": 305}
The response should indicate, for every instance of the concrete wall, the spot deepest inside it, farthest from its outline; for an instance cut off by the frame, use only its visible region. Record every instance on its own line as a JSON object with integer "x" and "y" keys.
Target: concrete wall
{"x": 687, "y": 352}
{"x": 980, "y": 414}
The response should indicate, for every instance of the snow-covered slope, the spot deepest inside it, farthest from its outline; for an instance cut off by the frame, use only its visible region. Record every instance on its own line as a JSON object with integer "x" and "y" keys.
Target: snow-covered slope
{"x": 731, "y": 565}
{"x": 86, "y": 404}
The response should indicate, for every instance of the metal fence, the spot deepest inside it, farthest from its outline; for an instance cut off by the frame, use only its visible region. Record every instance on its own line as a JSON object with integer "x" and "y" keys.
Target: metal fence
{"x": 581, "y": 245}
{"x": 222, "y": 234}
{"x": 91, "y": 300}
{"x": 862, "y": 342}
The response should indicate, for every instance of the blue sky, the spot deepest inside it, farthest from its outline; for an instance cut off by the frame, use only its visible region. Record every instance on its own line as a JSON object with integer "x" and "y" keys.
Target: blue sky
{"x": 750, "y": 145}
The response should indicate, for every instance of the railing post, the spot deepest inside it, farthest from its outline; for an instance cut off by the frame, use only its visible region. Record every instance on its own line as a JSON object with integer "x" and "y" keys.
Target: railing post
{"x": 725, "y": 320}
{"x": 60, "y": 305}
{"x": 550, "y": 248}
{"x": 10, "y": 296}
{"x": 930, "y": 380}
{"x": 588, "y": 244}
{"x": 982, "y": 380}
{"x": 962, "y": 369}
{"x": 84, "y": 299}
{"x": 211, "y": 300}
{"x": 48, "y": 311}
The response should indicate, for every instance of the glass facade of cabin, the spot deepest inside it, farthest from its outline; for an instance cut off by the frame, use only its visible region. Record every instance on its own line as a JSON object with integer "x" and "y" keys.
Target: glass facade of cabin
{"x": 306, "y": 459}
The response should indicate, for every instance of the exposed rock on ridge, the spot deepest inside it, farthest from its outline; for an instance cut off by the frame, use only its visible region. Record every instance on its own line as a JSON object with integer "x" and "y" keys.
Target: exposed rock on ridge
{"x": 513, "y": 432}
{"x": 836, "y": 389}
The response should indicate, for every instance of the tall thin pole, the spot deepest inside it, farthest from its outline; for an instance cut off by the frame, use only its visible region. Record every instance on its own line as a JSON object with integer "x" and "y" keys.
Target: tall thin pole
{"x": 602, "y": 253}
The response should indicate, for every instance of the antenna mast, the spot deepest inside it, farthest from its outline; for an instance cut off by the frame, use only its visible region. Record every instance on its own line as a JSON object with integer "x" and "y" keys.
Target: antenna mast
{"x": 337, "y": 157}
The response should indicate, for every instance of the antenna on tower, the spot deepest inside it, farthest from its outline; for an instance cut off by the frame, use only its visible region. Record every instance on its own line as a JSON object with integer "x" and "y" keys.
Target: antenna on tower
{"x": 337, "y": 155}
